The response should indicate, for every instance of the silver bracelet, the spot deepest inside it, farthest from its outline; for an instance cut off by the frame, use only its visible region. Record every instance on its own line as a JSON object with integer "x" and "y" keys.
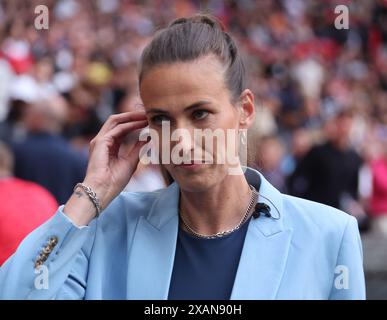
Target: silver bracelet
{"x": 92, "y": 196}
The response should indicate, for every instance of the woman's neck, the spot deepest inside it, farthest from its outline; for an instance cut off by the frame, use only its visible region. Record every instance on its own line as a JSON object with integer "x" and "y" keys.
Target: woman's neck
{"x": 217, "y": 209}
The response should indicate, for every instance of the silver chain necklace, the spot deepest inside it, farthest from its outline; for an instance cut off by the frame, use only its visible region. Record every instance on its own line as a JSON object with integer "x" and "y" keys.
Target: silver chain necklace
{"x": 253, "y": 200}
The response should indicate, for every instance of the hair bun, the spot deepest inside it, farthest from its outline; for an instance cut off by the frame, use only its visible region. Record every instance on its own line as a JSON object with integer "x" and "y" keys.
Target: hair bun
{"x": 205, "y": 18}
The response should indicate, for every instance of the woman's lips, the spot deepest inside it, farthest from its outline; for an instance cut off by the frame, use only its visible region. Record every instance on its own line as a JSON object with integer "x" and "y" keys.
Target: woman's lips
{"x": 191, "y": 165}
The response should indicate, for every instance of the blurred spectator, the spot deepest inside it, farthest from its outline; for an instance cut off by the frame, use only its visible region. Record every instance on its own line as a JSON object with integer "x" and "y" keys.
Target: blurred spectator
{"x": 43, "y": 156}
{"x": 24, "y": 206}
{"x": 270, "y": 158}
{"x": 82, "y": 122}
{"x": 5, "y": 84}
{"x": 378, "y": 199}
{"x": 329, "y": 173}
{"x": 300, "y": 144}
{"x": 16, "y": 47}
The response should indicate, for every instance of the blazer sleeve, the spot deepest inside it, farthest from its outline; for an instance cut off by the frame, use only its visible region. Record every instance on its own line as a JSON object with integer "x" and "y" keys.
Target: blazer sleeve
{"x": 64, "y": 249}
{"x": 349, "y": 283}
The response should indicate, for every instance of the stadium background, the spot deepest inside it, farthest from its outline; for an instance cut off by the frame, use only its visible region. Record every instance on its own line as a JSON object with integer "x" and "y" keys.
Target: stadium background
{"x": 314, "y": 85}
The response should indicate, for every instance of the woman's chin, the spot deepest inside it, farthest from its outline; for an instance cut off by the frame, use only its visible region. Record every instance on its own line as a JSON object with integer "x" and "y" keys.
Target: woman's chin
{"x": 198, "y": 181}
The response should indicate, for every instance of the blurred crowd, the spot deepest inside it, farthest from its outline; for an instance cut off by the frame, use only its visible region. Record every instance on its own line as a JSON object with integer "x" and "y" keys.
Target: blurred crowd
{"x": 321, "y": 92}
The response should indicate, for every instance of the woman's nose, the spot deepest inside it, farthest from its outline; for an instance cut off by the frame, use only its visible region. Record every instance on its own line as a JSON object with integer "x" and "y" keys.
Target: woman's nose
{"x": 185, "y": 141}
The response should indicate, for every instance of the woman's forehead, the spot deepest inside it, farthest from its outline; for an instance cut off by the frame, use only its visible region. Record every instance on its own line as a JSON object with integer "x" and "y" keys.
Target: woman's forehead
{"x": 182, "y": 82}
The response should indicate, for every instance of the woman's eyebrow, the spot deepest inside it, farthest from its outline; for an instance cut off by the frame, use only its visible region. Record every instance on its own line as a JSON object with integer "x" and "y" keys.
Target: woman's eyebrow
{"x": 156, "y": 110}
{"x": 191, "y": 106}
{"x": 196, "y": 104}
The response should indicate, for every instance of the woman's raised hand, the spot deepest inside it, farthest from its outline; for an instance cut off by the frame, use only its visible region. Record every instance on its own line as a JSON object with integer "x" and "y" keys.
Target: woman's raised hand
{"x": 109, "y": 168}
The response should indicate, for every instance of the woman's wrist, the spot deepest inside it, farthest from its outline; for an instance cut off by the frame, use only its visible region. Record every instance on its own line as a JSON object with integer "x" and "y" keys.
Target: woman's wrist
{"x": 79, "y": 208}
{"x": 91, "y": 194}
{"x": 101, "y": 189}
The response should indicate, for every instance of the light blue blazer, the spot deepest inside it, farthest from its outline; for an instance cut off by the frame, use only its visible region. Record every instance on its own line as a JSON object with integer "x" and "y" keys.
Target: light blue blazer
{"x": 311, "y": 252}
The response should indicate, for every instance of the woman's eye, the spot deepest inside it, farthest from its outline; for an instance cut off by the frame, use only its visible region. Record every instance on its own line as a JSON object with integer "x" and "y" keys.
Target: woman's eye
{"x": 200, "y": 114}
{"x": 159, "y": 119}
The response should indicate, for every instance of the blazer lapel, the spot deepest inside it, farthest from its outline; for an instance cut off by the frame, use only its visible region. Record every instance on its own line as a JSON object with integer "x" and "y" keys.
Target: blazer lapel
{"x": 153, "y": 248}
{"x": 266, "y": 247}
{"x": 261, "y": 264}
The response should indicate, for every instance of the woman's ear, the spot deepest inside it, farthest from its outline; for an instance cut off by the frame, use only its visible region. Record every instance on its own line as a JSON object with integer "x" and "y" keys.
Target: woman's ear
{"x": 246, "y": 102}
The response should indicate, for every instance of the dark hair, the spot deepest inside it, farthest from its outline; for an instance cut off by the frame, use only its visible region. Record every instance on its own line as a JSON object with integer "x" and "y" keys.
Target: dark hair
{"x": 186, "y": 39}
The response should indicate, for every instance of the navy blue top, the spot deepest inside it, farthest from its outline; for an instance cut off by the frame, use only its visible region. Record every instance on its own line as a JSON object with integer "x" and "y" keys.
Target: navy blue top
{"x": 205, "y": 269}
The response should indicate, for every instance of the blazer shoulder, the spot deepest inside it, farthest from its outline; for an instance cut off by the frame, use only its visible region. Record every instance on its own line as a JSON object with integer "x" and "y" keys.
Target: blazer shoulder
{"x": 316, "y": 217}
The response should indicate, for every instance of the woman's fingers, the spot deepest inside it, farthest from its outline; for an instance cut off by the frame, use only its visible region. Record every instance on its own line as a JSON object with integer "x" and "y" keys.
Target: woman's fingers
{"x": 124, "y": 117}
{"x": 123, "y": 129}
{"x": 116, "y": 136}
{"x": 134, "y": 154}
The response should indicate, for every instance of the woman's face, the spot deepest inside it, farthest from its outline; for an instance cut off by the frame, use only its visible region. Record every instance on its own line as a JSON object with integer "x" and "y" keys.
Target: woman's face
{"x": 189, "y": 96}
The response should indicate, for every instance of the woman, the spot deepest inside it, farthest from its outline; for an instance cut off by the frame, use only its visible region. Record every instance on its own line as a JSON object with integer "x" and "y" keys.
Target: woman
{"x": 203, "y": 237}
